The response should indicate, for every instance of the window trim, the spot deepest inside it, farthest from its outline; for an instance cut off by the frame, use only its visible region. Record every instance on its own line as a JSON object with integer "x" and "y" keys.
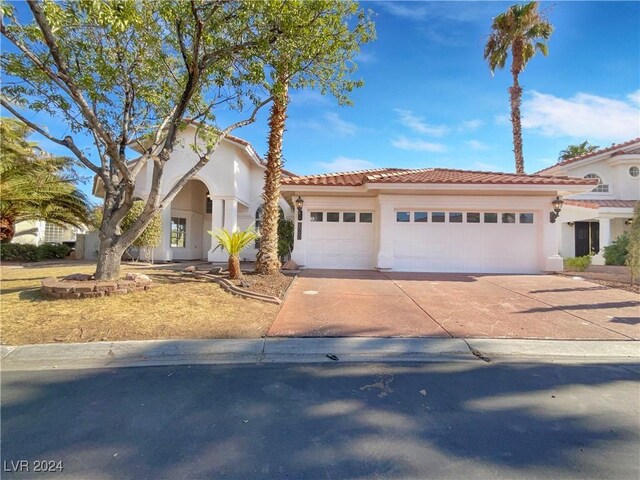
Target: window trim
{"x": 184, "y": 236}
{"x": 601, "y": 187}
{"x": 408, "y": 212}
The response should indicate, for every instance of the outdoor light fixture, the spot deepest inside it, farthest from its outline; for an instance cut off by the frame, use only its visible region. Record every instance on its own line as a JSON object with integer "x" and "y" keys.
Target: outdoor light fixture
{"x": 628, "y": 221}
{"x": 299, "y": 203}
{"x": 557, "y": 206}
{"x": 571, "y": 224}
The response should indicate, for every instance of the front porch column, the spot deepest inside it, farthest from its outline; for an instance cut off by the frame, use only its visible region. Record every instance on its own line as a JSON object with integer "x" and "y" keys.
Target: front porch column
{"x": 605, "y": 240}
{"x": 163, "y": 252}
{"x": 385, "y": 226}
{"x": 553, "y": 262}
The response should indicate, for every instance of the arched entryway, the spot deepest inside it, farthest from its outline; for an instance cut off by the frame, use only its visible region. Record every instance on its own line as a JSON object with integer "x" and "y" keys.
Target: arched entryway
{"x": 190, "y": 221}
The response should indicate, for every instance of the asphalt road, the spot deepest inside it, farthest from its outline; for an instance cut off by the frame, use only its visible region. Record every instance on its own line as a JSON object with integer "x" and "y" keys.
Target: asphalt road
{"x": 449, "y": 420}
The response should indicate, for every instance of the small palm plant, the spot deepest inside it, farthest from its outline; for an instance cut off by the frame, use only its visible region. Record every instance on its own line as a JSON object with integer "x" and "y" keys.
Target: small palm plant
{"x": 234, "y": 243}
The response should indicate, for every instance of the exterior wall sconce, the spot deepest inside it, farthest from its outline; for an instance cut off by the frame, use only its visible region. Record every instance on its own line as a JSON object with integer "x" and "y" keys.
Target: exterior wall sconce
{"x": 299, "y": 203}
{"x": 628, "y": 221}
{"x": 557, "y": 206}
{"x": 571, "y": 224}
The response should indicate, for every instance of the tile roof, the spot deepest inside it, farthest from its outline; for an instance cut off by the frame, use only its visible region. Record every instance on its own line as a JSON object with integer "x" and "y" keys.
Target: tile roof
{"x": 432, "y": 175}
{"x": 597, "y": 152}
{"x": 602, "y": 203}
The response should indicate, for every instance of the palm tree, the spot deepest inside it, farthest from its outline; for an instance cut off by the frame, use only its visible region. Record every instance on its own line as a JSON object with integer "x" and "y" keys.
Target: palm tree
{"x": 234, "y": 243}
{"x": 521, "y": 31}
{"x": 35, "y": 185}
{"x": 577, "y": 150}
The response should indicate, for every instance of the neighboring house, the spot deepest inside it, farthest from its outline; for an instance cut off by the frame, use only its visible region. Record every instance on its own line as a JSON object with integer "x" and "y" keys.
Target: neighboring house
{"x": 429, "y": 220}
{"x": 37, "y": 232}
{"x": 226, "y": 192}
{"x": 592, "y": 220}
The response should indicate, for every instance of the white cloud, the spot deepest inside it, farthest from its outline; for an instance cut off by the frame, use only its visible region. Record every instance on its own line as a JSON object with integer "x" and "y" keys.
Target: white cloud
{"x": 582, "y": 116}
{"x": 417, "y": 124}
{"x": 487, "y": 167}
{"x": 417, "y": 145}
{"x": 365, "y": 57}
{"x": 634, "y": 97}
{"x": 309, "y": 97}
{"x": 471, "y": 125}
{"x": 502, "y": 119}
{"x": 345, "y": 164}
{"x": 332, "y": 124}
{"x": 477, "y": 145}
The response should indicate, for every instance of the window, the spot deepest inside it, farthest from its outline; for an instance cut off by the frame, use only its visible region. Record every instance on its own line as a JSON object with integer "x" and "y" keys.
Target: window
{"x": 348, "y": 217}
{"x": 420, "y": 217}
{"x": 208, "y": 205}
{"x": 526, "y": 218}
{"x": 333, "y": 217}
{"x": 316, "y": 216}
{"x": 634, "y": 171}
{"x": 53, "y": 233}
{"x": 258, "y": 226}
{"x": 178, "y": 232}
{"x": 366, "y": 217}
{"x": 402, "y": 216}
{"x": 490, "y": 218}
{"x": 601, "y": 187}
{"x": 508, "y": 218}
{"x": 437, "y": 217}
{"x": 473, "y": 217}
{"x": 455, "y": 217}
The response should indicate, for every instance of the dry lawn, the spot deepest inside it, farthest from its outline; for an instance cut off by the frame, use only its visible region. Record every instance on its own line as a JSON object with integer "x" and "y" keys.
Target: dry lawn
{"x": 178, "y": 307}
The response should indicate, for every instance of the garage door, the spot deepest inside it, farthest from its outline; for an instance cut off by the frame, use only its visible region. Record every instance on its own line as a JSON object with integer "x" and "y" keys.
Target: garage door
{"x": 340, "y": 239}
{"x": 471, "y": 241}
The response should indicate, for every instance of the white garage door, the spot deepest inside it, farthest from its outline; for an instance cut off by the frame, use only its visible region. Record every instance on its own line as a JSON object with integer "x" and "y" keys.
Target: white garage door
{"x": 471, "y": 242}
{"x": 340, "y": 239}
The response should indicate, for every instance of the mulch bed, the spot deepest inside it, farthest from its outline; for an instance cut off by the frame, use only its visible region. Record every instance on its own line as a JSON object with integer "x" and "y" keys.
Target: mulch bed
{"x": 275, "y": 285}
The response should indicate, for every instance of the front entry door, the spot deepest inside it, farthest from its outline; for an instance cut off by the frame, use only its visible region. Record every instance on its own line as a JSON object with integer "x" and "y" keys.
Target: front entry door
{"x": 587, "y": 238}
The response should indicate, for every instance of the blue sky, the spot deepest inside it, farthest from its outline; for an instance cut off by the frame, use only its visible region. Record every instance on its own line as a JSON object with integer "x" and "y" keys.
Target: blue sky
{"x": 429, "y": 99}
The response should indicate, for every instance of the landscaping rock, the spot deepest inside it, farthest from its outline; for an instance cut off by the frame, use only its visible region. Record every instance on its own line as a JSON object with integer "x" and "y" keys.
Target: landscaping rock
{"x": 190, "y": 268}
{"x": 290, "y": 265}
{"x": 80, "y": 288}
{"x": 83, "y": 277}
{"x": 106, "y": 286}
{"x": 216, "y": 270}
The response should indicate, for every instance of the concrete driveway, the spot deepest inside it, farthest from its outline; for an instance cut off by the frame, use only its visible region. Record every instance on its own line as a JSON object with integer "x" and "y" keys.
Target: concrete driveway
{"x": 338, "y": 303}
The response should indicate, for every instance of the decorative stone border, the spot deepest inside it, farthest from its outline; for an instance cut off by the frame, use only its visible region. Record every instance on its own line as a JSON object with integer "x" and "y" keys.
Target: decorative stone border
{"x": 82, "y": 286}
{"x": 231, "y": 288}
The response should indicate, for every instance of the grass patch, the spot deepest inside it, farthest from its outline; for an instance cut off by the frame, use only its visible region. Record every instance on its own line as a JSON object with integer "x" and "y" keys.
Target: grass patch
{"x": 179, "y": 307}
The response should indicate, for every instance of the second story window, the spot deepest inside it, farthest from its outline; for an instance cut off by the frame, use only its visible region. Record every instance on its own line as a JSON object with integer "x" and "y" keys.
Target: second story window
{"x": 601, "y": 187}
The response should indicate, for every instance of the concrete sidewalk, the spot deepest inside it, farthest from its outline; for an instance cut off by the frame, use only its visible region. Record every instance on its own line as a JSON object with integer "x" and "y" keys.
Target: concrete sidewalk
{"x": 298, "y": 350}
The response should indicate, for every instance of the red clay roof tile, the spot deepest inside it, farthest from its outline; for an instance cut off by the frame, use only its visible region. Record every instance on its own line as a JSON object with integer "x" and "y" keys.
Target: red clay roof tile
{"x": 597, "y": 152}
{"x": 602, "y": 203}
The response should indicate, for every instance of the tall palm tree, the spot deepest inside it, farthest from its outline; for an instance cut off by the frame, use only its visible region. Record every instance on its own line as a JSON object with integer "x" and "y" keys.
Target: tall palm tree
{"x": 577, "y": 150}
{"x": 34, "y": 185}
{"x": 521, "y": 31}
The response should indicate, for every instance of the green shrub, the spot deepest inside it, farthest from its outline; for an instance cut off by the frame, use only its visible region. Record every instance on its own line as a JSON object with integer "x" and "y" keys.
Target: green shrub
{"x": 18, "y": 252}
{"x": 52, "y": 250}
{"x": 285, "y": 238}
{"x": 578, "y": 264}
{"x": 616, "y": 253}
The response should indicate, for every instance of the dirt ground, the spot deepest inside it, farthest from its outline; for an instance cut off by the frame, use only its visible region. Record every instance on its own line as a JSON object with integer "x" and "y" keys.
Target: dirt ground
{"x": 611, "y": 276}
{"x": 179, "y": 307}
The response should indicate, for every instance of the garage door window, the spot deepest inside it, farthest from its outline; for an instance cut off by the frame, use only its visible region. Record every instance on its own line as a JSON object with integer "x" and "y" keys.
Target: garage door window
{"x": 490, "y": 218}
{"x": 455, "y": 217}
{"x": 349, "y": 217}
{"x": 473, "y": 217}
{"x": 437, "y": 217}
{"x": 316, "y": 216}
{"x": 420, "y": 217}
{"x": 526, "y": 218}
{"x": 333, "y": 217}
{"x": 366, "y": 217}
{"x": 402, "y": 216}
{"x": 508, "y": 218}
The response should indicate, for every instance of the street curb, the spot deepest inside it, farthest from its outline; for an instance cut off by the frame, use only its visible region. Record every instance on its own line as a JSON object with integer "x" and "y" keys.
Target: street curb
{"x": 307, "y": 350}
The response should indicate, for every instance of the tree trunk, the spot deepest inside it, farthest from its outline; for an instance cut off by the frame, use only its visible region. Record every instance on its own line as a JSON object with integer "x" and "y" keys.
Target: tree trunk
{"x": 234, "y": 267}
{"x": 515, "y": 94}
{"x": 267, "y": 261}
{"x": 109, "y": 258}
{"x": 7, "y": 229}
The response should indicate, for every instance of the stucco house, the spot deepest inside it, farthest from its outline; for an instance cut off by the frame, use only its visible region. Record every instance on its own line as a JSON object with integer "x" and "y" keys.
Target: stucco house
{"x": 226, "y": 192}
{"x": 429, "y": 220}
{"x": 592, "y": 220}
{"x": 37, "y": 232}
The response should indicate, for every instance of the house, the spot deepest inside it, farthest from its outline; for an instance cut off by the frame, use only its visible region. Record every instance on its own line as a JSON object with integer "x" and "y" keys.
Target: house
{"x": 429, "y": 220}
{"x": 37, "y": 232}
{"x": 226, "y": 192}
{"x": 592, "y": 220}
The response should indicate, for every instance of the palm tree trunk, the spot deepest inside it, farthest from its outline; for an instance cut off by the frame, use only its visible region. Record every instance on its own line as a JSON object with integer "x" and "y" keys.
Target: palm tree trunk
{"x": 515, "y": 94}
{"x": 7, "y": 229}
{"x": 267, "y": 261}
{"x": 233, "y": 265}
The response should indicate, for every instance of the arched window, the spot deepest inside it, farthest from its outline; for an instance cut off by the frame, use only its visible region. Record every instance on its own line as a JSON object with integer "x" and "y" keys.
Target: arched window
{"x": 601, "y": 187}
